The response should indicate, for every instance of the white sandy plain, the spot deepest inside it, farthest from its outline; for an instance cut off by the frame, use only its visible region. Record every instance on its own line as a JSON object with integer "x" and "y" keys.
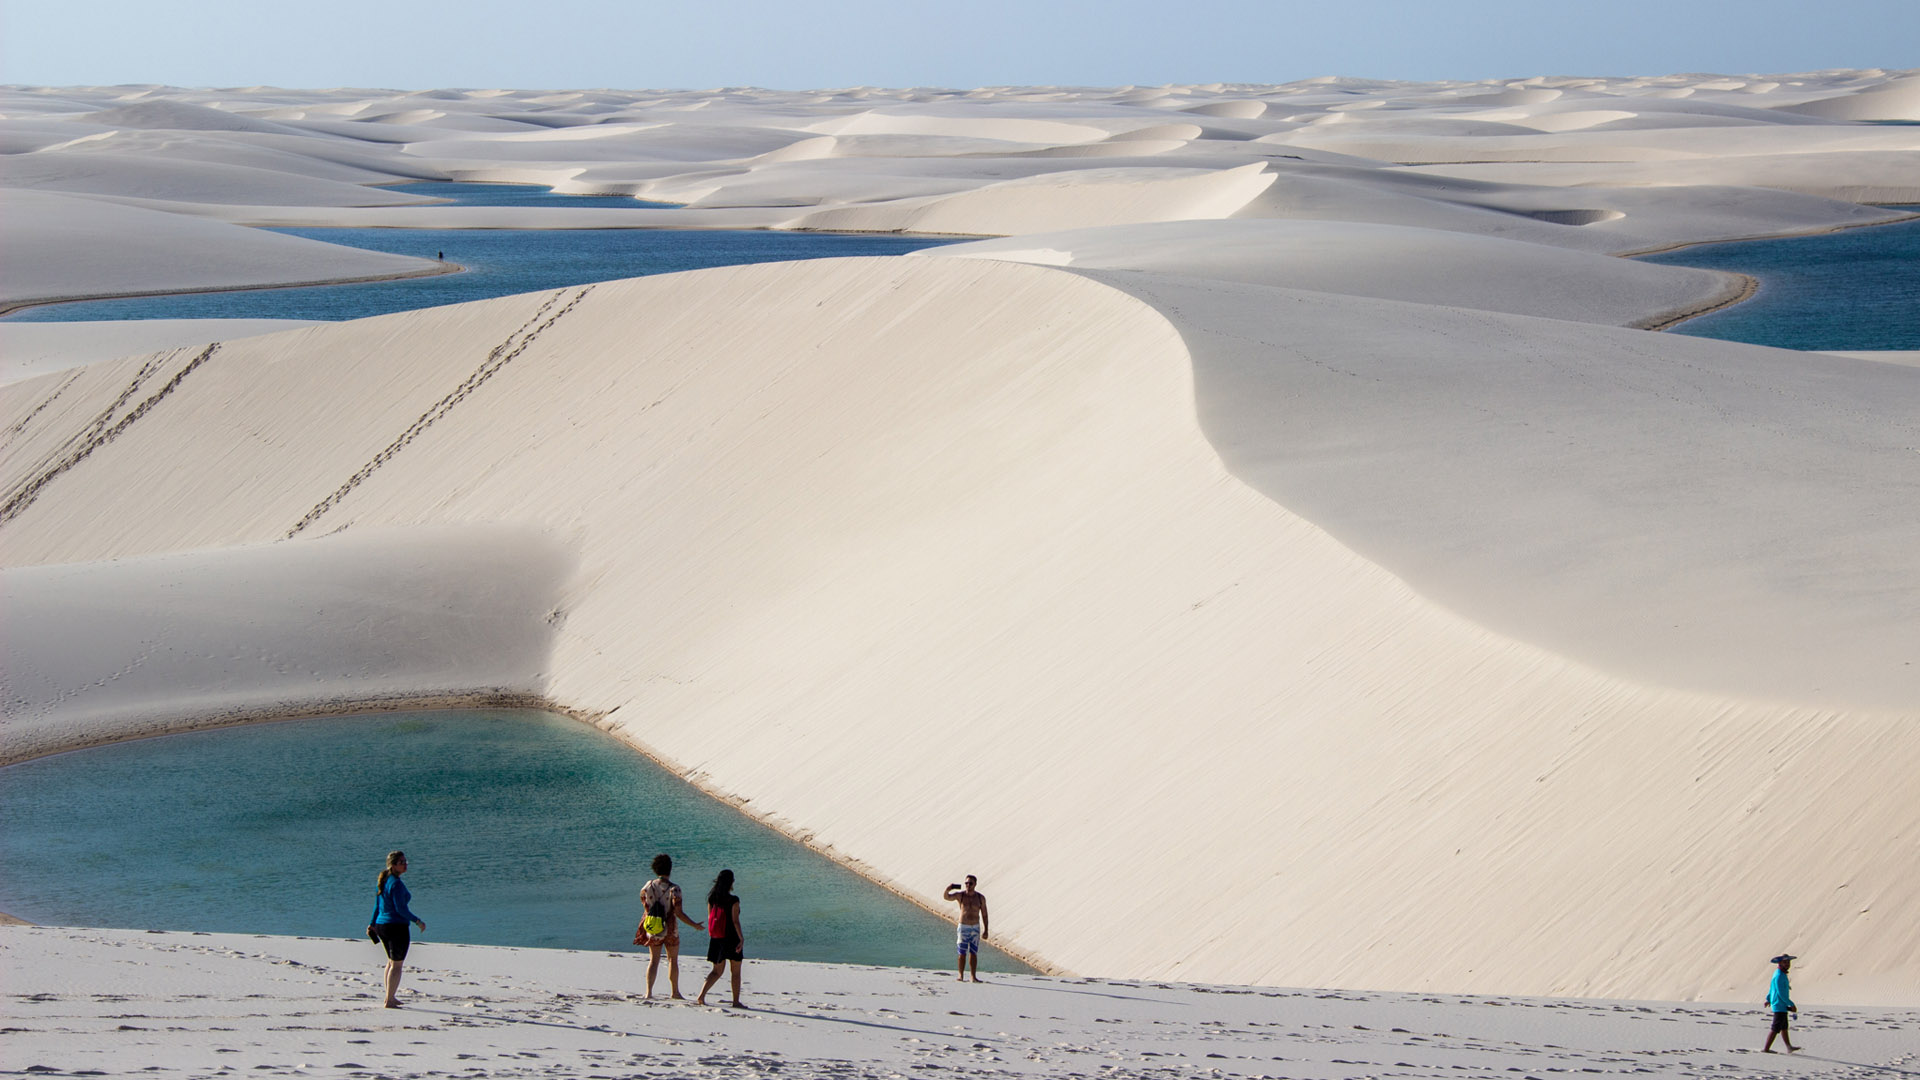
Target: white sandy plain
{"x": 217, "y": 1004}
{"x": 1270, "y": 507}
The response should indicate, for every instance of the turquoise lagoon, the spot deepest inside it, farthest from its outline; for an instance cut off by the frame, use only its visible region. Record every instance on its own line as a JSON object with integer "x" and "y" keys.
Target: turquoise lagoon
{"x": 1847, "y": 290}
{"x": 522, "y": 828}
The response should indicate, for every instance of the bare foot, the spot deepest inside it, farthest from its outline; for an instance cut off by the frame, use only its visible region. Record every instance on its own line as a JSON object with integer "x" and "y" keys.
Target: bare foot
{"x": 1766, "y": 1049}
{"x": 677, "y": 997}
{"x": 391, "y": 1005}
{"x": 977, "y": 978}
{"x": 738, "y": 1005}
{"x": 700, "y": 1001}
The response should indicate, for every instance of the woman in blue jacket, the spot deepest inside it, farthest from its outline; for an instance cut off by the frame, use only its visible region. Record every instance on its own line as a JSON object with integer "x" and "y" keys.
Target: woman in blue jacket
{"x": 390, "y": 918}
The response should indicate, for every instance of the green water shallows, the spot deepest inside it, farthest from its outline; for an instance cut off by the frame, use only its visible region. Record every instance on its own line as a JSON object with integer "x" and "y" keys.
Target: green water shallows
{"x": 1852, "y": 289}
{"x": 522, "y": 829}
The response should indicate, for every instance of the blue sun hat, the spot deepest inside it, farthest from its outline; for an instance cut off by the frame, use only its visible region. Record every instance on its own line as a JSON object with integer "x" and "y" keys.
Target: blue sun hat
{"x": 1782, "y": 958}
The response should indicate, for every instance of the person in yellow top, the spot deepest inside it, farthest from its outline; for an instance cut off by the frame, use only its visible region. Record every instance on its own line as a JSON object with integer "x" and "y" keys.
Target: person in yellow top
{"x": 660, "y": 922}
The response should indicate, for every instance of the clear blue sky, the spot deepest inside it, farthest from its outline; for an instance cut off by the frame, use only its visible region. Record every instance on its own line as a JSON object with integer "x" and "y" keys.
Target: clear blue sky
{"x": 637, "y": 44}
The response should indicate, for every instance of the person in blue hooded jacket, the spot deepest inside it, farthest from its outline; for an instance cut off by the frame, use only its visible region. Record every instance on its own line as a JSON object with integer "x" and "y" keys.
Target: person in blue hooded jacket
{"x": 390, "y": 918}
{"x": 1780, "y": 1000}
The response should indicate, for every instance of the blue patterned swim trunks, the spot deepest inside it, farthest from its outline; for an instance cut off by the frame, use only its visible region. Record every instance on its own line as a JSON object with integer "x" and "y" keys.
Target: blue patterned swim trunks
{"x": 969, "y": 942}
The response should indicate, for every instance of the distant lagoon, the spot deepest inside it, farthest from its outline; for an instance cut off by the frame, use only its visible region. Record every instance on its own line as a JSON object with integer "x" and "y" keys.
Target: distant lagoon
{"x": 1846, "y": 290}
{"x": 494, "y": 262}
{"x": 522, "y": 828}
{"x": 1855, "y": 289}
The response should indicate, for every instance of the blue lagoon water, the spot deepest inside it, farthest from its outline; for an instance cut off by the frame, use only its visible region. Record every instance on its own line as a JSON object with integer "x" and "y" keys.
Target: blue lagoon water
{"x": 1853, "y": 289}
{"x": 495, "y": 262}
{"x": 522, "y": 828}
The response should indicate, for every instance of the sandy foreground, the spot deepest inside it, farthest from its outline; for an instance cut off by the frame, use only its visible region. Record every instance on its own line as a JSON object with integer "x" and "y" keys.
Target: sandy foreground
{"x": 122, "y": 1003}
{"x": 1285, "y": 493}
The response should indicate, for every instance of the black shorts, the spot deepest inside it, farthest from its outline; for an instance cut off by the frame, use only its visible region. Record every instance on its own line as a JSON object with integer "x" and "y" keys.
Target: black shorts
{"x": 394, "y": 938}
{"x": 723, "y": 949}
{"x": 1780, "y": 1021}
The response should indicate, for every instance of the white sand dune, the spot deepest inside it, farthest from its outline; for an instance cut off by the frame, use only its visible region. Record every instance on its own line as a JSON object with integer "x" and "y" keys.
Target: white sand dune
{"x": 1080, "y": 199}
{"x": 1895, "y": 99}
{"x": 172, "y": 115}
{"x": 146, "y": 645}
{"x": 1486, "y": 477}
{"x": 1297, "y": 526}
{"x": 1428, "y": 266}
{"x": 1842, "y": 175}
{"x": 62, "y": 247}
{"x": 148, "y": 176}
{"x": 35, "y": 348}
{"x": 615, "y": 215}
{"x": 1540, "y": 205}
{"x": 301, "y": 156}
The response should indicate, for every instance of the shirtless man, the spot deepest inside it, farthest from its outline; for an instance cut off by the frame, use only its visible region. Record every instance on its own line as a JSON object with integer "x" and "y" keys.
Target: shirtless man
{"x": 973, "y": 925}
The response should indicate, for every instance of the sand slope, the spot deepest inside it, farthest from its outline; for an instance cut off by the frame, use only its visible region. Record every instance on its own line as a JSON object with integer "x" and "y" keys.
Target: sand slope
{"x": 1660, "y": 506}
{"x": 893, "y": 510}
{"x": 35, "y": 348}
{"x": 147, "y": 645}
{"x": 66, "y": 247}
{"x": 1430, "y": 266}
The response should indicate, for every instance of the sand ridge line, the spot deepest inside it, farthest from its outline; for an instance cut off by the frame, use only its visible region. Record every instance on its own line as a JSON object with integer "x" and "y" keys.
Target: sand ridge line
{"x": 91, "y": 437}
{"x": 492, "y": 365}
{"x": 215, "y": 720}
{"x": 1820, "y": 230}
{"x": 22, "y": 305}
{"x": 1739, "y": 293}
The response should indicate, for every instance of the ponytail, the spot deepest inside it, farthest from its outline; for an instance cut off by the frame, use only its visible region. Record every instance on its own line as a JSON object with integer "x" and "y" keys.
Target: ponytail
{"x": 394, "y": 858}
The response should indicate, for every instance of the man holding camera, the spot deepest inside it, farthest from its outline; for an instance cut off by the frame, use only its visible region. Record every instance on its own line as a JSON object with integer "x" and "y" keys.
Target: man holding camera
{"x": 973, "y": 925}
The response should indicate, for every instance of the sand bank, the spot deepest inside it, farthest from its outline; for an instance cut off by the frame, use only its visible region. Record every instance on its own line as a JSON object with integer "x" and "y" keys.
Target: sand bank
{"x": 121, "y": 1001}
{"x": 61, "y": 247}
{"x": 417, "y": 619}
